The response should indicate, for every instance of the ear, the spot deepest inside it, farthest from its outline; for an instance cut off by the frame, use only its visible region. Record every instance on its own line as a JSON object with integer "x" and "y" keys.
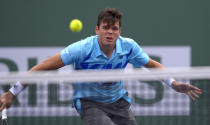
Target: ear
{"x": 96, "y": 29}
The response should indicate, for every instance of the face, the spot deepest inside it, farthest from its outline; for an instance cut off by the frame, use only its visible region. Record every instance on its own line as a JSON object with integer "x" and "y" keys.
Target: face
{"x": 108, "y": 34}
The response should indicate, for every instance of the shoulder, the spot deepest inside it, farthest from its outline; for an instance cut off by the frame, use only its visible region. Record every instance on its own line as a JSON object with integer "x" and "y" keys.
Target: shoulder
{"x": 87, "y": 41}
{"x": 126, "y": 39}
{"x": 78, "y": 50}
{"x": 86, "y": 45}
{"x": 82, "y": 44}
{"x": 127, "y": 42}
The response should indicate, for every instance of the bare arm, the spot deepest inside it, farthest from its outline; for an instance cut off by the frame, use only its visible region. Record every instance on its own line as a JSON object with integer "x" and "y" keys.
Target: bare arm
{"x": 192, "y": 91}
{"x": 154, "y": 64}
{"x": 52, "y": 63}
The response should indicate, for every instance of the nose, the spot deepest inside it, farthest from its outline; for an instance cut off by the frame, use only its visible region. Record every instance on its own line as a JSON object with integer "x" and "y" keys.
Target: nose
{"x": 110, "y": 30}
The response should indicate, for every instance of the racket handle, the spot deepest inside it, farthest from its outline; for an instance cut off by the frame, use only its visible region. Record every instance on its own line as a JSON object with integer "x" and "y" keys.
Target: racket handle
{"x": 4, "y": 113}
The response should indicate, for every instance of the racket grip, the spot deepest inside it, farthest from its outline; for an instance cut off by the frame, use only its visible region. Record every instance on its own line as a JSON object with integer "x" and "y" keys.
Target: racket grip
{"x": 4, "y": 113}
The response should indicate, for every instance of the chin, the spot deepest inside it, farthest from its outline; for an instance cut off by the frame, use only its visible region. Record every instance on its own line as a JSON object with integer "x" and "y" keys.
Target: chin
{"x": 108, "y": 43}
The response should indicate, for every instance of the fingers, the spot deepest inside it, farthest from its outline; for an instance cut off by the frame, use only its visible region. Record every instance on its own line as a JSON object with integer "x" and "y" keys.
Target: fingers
{"x": 2, "y": 106}
{"x": 190, "y": 95}
{"x": 197, "y": 90}
{"x": 193, "y": 94}
{"x": 6, "y": 100}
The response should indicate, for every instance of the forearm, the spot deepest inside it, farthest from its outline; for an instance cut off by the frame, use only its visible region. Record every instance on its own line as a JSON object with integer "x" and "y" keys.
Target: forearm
{"x": 40, "y": 67}
{"x": 154, "y": 64}
{"x": 51, "y": 63}
{"x": 19, "y": 86}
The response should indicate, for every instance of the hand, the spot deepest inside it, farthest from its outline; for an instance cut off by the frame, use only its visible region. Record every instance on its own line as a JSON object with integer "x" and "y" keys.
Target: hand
{"x": 192, "y": 91}
{"x": 6, "y": 100}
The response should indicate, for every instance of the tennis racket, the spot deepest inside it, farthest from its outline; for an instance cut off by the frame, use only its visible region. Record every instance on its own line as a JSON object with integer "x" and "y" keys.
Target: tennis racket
{"x": 4, "y": 117}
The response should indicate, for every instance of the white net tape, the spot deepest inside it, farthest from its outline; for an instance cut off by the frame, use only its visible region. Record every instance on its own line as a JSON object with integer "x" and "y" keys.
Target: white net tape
{"x": 106, "y": 75}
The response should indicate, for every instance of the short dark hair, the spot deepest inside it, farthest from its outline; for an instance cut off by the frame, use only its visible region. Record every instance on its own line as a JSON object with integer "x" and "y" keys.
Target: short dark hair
{"x": 109, "y": 15}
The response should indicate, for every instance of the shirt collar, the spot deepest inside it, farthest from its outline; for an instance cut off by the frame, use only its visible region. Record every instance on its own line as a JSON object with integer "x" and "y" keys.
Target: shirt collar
{"x": 118, "y": 46}
{"x": 98, "y": 51}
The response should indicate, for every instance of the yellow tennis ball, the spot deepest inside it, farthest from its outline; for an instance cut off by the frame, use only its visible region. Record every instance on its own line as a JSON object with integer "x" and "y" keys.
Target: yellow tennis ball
{"x": 75, "y": 25}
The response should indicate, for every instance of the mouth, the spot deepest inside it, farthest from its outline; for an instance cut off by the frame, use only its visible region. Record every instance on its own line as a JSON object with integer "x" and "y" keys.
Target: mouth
{"x": 109, "y": 39}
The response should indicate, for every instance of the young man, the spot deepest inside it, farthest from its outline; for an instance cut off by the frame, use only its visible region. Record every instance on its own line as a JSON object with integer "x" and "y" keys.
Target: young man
{"x": 104, "y": 103}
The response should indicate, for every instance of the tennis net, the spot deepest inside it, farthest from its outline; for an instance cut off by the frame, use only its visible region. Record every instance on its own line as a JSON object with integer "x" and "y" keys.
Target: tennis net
{"x": 48, "y": 98}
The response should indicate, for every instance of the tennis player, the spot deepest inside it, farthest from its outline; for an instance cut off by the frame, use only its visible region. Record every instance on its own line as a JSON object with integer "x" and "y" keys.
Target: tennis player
{"x": 104, "y": 103}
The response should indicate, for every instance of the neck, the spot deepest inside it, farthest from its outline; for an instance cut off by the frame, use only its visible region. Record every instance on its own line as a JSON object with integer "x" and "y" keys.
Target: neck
{"x": 107, "y": 49}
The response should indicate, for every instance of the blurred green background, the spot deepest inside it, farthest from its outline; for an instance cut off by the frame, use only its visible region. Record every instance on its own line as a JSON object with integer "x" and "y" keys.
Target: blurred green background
{"x": 149, "y": 22}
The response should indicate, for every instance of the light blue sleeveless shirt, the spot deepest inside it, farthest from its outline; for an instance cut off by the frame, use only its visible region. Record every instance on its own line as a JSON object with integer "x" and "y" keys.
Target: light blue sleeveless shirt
{"x": 87, "y": 55}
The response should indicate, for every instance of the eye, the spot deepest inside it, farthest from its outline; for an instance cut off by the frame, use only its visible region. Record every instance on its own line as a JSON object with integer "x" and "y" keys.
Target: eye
{"x": 105, "y": 27}
{"x": 115, "y": 28}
